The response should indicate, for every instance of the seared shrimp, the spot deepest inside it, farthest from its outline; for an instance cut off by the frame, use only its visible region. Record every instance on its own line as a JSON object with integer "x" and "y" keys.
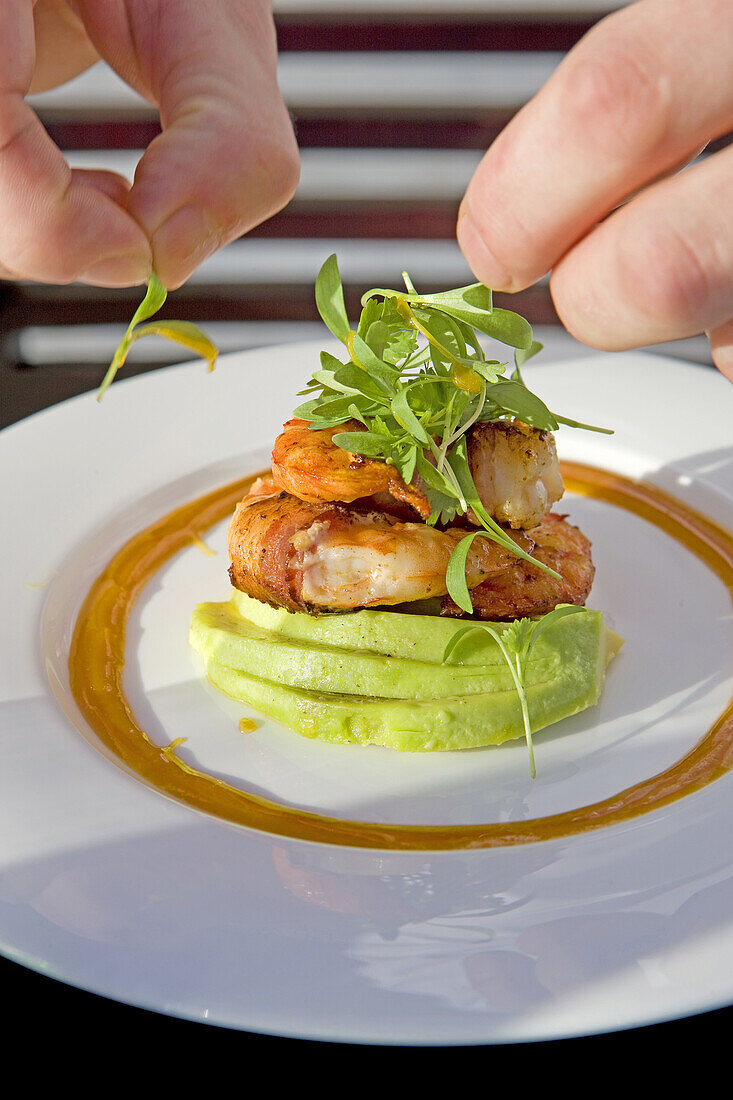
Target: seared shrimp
{"x": 515, "y": 471}
{"x": 326, "y": 556}
{"x": 514, "y": 468}
{"x": 307, "y": 464}
{"x": 522, "y": 590}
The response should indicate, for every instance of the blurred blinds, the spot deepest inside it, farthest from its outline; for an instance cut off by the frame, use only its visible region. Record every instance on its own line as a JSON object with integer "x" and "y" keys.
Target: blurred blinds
{"x": 393, "y": 103}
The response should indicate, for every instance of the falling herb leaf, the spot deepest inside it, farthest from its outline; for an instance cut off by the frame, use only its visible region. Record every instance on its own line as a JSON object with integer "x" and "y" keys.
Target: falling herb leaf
{"x": 182, "y": 332}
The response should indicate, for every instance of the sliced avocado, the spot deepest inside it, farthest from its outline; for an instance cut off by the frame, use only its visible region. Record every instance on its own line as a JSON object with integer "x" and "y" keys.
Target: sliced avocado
{"x": 393, "y": 633}
{"x": 410, "y": 725}
{"x": 219, "y": 632}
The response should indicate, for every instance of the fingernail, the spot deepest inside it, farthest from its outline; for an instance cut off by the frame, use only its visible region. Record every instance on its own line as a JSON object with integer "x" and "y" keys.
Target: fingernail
{"x": 481, "y": 260}
{"x": 129, "y": 269}
{"x": 182, "y": 242}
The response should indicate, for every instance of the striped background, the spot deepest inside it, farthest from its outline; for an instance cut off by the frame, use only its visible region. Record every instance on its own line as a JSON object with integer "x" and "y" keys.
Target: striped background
{"x": 393, "y": 101}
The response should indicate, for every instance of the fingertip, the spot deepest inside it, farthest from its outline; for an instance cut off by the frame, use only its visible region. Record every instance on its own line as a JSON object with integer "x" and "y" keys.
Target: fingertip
{"x": 111, "y": 184}
{"x": 721, "y": 346}
{"x": 117, "y": 271}
{"x": 586, "y": 311}
{"x": 112, "y": 250}
{"x": 482, "y": 261}
{"x": 184, "y": 240}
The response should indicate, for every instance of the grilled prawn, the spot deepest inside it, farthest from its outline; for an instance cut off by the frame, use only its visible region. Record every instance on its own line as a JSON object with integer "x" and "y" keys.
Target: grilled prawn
{"x": 330, "y": 556}
{"x": 307, "y": 464}
{"x": 514, "y": 467}
{"x": 515, "y": 471}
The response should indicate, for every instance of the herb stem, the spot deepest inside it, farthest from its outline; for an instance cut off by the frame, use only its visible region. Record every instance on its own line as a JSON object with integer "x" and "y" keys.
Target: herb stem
{"x": 471, "y": 420}
{"x": 519, "y": 679}
{"x": 448, "y": 474}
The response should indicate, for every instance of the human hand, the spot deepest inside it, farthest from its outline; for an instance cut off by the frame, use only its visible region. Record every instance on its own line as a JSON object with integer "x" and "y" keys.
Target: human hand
{"x": 225, "y": 161}
{"x": 584, "y": 181}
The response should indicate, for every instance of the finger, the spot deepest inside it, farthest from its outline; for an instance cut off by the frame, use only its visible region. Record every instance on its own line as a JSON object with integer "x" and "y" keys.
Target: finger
{"x": 111, "y": 184}
{"x": 721, "y": 344}
{"x": 627, "y": 104}
{"x": 52, "y": 228}
{"x": 63, "y": 49}
{"x": 659, "y": 268}
{"x": 226, "y": 159}
{"x": 6, "y": 273}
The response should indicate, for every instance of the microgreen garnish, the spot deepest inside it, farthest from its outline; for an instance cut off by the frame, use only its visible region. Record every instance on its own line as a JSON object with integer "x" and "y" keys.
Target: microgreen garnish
{"x": 515, "y": 640}
{"x": 182, "y": 332}
{"x": 417, "y": 378}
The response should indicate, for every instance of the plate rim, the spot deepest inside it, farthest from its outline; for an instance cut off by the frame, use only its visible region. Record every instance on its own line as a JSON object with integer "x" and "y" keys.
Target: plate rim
{"x": 60, "y": 411}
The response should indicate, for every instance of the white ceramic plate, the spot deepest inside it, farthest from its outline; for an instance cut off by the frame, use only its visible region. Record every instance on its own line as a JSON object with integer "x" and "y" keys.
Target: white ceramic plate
{"x": 113, "y": 887}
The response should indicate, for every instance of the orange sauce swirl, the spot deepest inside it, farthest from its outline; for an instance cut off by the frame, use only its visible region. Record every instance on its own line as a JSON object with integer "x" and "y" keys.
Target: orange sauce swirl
{"x": 97, "y": 657}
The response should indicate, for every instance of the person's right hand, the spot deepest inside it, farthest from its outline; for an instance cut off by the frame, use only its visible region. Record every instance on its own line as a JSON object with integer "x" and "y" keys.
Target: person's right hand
{"x": 225, "y": 161}
{"x": 584, "y": 182}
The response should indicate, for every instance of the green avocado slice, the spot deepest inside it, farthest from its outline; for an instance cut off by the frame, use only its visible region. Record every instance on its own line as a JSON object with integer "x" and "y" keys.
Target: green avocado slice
{"x": 408, "y": 725}
{"x": 393, "y": 633}
{"x": 219, "y": 632}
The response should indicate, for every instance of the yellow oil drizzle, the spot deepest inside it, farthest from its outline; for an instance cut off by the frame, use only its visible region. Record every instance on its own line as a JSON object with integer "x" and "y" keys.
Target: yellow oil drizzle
{"x": 199, "y": 542}
{"x": 96, "y": 663}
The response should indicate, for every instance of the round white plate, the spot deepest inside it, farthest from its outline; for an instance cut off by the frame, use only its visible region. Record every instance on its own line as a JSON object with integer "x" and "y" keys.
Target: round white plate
{"x": 114, "y": 887}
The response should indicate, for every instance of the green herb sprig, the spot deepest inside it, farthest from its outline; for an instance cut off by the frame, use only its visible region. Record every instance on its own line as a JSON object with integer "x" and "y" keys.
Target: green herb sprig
{"x": 182, "y": 332}
{"x": 515, "y": 640}
{"x": 417, "y": 379}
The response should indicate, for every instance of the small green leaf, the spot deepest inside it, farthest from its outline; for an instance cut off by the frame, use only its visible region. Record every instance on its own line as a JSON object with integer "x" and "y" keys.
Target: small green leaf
{"x": 404, "y": 415}
{"x": 577, "y": 424}
{"x": 490, "y": 369}
{"x": 155, "y": 296}
{"x": 455, "y": 576}
{"x": 473, "y": 301}
{"x": 406, "y": 463}
{"x": 154, "y": 299}
{"x": 361, "y": 443}
{"x": 446, "y": 333}
{"x": 308, "y": 409}
{"x": 514, "y": 397}
{"x": 330, "y": 299}
{"x": 330, "y": 362}
{"x": 507, "y": 327}
{"x": 382, "y": 373}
